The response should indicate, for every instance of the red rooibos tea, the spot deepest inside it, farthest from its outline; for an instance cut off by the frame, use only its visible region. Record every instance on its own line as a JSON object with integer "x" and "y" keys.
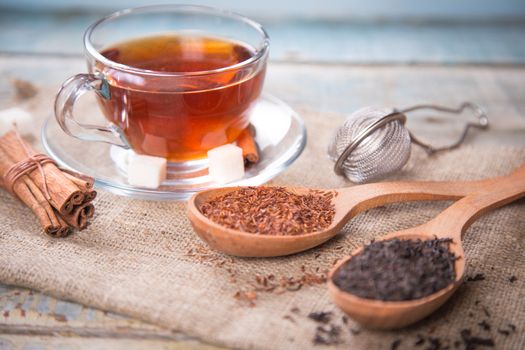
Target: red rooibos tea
{"x": 206, "y": 108}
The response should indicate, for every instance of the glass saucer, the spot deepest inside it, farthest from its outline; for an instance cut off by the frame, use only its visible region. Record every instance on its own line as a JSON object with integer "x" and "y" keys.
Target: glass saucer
{"x": 280, "y": 135}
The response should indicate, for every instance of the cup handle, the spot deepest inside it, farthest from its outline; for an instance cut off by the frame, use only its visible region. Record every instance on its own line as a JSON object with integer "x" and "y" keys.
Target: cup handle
{"x": 68, "y": 94}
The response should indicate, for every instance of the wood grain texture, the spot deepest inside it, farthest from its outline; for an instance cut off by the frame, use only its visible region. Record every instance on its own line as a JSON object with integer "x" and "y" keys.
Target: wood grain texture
{"x": 308, "y": 40}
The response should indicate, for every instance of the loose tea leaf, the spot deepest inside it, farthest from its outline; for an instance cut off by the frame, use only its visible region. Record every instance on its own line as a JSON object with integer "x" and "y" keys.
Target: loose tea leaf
{"x": 395, "y": 344}
{"x": 486, "y": 311}
{"x": 271, "y": 210}
{"x": 472, "y": 342}
{"x": 248, "y": 297}
{"x": 485, "y": 325}
{"x": 420, "y": 340}
{"x": 507, "y": 332}
{"x": 397, "y": 270}
{"x": 434, "y": 343}
{"x": 327, "y": 335}
{"x": 321, "y": 316}
{"x": 504, "y": 332}
{"x": 477, "y": 277}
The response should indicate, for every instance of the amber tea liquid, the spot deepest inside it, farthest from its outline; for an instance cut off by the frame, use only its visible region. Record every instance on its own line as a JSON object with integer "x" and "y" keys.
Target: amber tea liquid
{"x": 184, "y": 122}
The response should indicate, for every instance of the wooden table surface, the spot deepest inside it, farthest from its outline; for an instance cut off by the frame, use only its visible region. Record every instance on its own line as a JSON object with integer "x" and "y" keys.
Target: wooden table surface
{"x": 323, "y": 66}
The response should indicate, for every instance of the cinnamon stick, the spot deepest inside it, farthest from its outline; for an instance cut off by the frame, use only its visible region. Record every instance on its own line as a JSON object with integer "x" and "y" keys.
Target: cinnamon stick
{"x": 246, "y": 141}
{"x": 85, "y": 183}
{"x": 65, "y": 195}
{"x": 60, "y": 228}
{"x": 33, "y": 198}
{"x": 79, "y": 217}
{"x": 90, "y": 195}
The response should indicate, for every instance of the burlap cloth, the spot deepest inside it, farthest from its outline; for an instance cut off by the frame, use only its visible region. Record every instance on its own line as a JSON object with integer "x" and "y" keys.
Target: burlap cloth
{"x": 141, "y": 258}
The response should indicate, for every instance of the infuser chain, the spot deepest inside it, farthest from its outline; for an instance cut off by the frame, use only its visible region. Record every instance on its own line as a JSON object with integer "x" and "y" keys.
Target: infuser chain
{"x": 483, "y": 123}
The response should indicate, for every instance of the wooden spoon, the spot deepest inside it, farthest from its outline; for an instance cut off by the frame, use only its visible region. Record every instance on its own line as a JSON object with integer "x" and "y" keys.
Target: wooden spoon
{"x": 349, "y": 202}
{"x": 451, "y": 223}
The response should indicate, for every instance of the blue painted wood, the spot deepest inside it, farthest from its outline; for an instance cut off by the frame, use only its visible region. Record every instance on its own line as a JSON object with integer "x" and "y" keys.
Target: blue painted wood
{"x": 308, "y": 40}
{"x": 328, "y": 9}
{"x": 71, "y": 311}
{"x": 36, "y": 346}
{"x": 43, "y": 304}
{"x": 27, "y": 303}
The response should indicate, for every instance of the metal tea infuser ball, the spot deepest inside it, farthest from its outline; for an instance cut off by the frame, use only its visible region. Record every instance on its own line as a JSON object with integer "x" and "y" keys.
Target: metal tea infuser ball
{"x": 374, "y": 142}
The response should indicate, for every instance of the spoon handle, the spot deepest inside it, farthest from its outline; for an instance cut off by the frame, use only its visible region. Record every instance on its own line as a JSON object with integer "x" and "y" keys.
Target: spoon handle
{"x": 357, "y": 199}
{"x": 457, "y": 218}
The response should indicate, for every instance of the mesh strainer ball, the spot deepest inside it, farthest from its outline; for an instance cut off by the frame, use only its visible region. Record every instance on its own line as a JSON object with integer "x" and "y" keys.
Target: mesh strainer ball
{"x": 382, "y": 152}
{"x": 373, "y": 141}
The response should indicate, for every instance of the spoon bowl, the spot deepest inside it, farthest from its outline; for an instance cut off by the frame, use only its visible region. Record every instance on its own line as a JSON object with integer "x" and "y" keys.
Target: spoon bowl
{"x": 240, "y": 243}
{"x": 378, "y": 314}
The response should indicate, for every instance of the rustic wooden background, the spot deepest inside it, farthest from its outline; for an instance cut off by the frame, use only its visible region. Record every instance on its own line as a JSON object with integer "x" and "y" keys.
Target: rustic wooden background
{"x": 323, "y": 64}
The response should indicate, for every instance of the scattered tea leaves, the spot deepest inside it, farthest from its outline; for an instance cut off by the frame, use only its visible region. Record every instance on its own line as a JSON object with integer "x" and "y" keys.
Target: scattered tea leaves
{"x": 295, "y": 310}
{"x": 472, "y": 342}
{"x": 327, "y": 335}
{"x": 434, "y": 343}
{"x": 484, "y": 325}
{"x": 275, "y": 285}
{"x": 355, "y": 331}
{"x": 504, "y": 332}
{"x": 247, "y": 297}
{"x": 322, "y": 316}
{"x": 477, "y": 277}
{"x": 420, "y": 340}
{"x": 486, "y": 311}
{"x": 289, "y": 318}
{"x": 395, "y": 344}
{"x": 508, "y": 330}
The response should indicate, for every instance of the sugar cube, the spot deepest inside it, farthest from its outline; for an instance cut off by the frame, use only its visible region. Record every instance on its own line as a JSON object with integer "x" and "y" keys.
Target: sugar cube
{"x": 226, "y": 164}
{"x": 146, "y": 171}
{"x": 16, "y": 116}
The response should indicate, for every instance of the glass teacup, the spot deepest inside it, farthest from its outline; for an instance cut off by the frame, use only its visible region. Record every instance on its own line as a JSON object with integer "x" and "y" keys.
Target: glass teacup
{"x": 172, "y": 81}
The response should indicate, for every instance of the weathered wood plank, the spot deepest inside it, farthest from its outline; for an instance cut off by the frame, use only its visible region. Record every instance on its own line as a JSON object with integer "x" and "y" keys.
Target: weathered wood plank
{"x": 23, "y": 311}
{"x": 69, "y": 342}
{"x": 307, "y": 40}
{"x": 33, "y": 320}
{"x": 337, "y": 9}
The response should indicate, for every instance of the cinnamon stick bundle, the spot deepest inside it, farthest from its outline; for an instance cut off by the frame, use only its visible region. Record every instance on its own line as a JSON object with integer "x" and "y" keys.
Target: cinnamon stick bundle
{"x": 60, "y": 199}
